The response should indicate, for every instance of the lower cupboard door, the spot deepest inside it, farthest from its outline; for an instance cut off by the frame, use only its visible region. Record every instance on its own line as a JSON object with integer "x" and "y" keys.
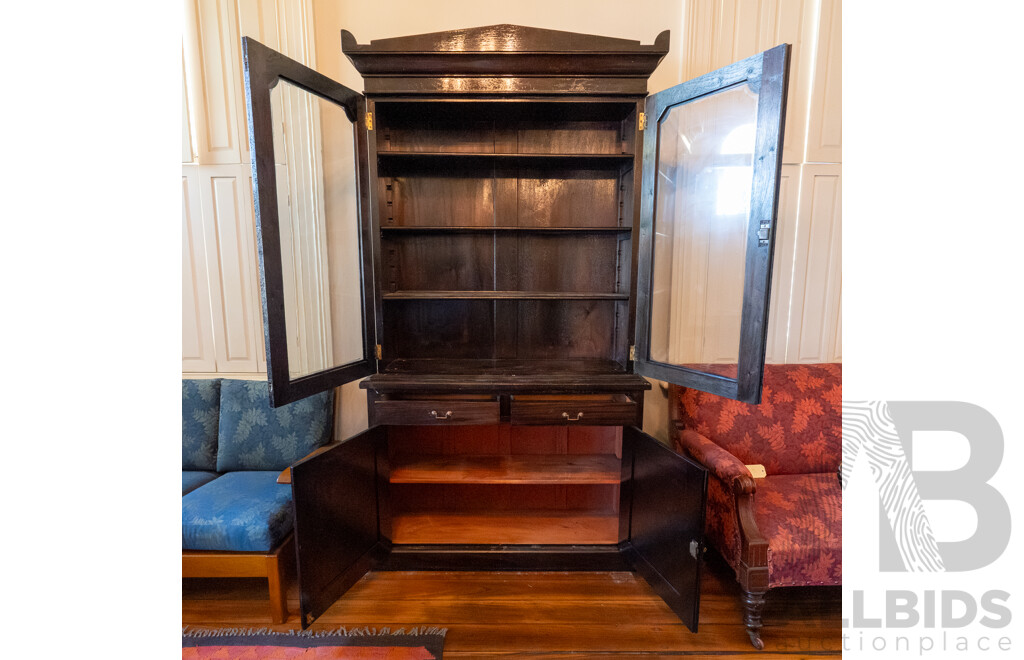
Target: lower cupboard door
{"x": 336, "y": 529}
{"x": 666, "y": 526}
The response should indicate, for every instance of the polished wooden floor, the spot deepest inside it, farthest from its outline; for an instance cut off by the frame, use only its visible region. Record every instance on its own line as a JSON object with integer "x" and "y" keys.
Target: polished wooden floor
{"x": 544, "y": 615}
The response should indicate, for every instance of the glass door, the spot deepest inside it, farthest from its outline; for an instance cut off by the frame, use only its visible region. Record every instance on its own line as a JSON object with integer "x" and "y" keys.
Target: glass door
{"x": 308, "y": 145}
{"x": 712, "y": 156}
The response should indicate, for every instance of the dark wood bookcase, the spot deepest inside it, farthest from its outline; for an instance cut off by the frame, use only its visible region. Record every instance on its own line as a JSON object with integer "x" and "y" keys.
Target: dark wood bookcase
{"x": 508, "y": 183}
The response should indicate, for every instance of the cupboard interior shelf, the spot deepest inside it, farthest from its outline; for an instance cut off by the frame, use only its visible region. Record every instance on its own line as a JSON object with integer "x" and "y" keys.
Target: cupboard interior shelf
{"x": 502, "y": 295}
{"x": 513, "y": 528}
{"x": 402, "y": 155}
{"x": 517, "y": 469}
{"x": 507, "y": 367}
{"x": 403, "y": 229}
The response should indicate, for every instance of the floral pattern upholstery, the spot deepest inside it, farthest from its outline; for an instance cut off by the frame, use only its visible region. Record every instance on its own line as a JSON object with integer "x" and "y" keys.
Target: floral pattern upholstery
{"x": 192, "y": 479}
{"x": 796, "y": 433}
{"x": 239, "y": 511}
{"x": 794, "y": 430}
{"x": 254, "y": 436}
{"x": 723, "y": 465}
{"x": 229, "y": 427}
{"x": 200, "y": 410}
{"x": 801, "y": 515}
{"x": 721, "y": 525}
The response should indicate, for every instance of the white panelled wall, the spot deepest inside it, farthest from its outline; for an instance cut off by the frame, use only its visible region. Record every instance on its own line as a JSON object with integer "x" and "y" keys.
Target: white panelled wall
{"x": 805, "y": 316}
{"x": 222, "y": 332}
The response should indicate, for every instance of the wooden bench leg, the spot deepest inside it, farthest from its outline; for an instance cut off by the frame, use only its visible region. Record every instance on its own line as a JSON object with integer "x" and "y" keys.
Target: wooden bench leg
{"x": 277, "y": 586}
{"x": 277, "y": 583}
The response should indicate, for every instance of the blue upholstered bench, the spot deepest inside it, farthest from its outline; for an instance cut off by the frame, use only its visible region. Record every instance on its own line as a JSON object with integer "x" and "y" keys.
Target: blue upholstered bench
{"x": 236, "y": 519}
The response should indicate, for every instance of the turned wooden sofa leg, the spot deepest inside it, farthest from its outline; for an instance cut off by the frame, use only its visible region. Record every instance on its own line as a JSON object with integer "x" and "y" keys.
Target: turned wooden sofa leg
{"x": 753, "y": 603}
{"x": 753, "y": 568}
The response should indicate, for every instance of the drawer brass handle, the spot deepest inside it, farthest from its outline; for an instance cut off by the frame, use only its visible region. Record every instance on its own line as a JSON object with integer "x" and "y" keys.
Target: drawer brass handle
{"x": 447, "y": 415}
{"x": 577, "y": 418}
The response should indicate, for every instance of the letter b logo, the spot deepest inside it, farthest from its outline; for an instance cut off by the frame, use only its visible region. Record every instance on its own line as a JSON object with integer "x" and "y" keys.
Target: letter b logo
{"x": 883, "y": 431}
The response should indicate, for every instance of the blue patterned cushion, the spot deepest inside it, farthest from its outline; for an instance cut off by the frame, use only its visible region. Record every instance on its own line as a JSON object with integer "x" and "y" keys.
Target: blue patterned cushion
{"x": 240, "y": 512}
{"x": 254, "y": 436}
{"x": 200, "y": 411}
{"x": 192, "y": 479}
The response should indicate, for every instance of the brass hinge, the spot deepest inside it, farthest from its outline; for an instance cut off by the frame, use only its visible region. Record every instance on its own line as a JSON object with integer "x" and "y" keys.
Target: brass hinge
{"x": 369, "y": 121}
{"x": 643, "y": 120}
{"x": 379, "y": 352}
{"x": 632, "y": 353}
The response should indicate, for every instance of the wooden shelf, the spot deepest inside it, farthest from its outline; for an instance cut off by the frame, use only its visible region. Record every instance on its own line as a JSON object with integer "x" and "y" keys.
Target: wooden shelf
{"x": 519, "y": 469}
{"x": 500, "y": 528}
{"x": 502, "y": 295}
{"x": 506, "y": 376}
{"x": 548, "y": 368}
{"x": 412, "y": 155}
{"x": 539, "y": 230}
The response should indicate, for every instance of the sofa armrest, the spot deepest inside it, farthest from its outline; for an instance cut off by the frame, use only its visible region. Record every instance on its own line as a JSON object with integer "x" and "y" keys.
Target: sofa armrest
{"x": 722, "y": 464}
{"x": 286, "y": 475}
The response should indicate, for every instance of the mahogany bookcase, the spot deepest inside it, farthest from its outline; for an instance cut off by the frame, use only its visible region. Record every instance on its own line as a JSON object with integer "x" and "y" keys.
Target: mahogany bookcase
{"x": 530, "y": 234}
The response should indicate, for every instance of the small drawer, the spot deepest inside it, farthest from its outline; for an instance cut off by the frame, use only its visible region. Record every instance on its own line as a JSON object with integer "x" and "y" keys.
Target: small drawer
{"x": 421, "y": 412}
{"x": 585, "y": 410}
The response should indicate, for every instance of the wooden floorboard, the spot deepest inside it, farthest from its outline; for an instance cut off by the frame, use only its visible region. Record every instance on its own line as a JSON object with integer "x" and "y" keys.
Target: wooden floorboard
{"x": 544, "y": 615}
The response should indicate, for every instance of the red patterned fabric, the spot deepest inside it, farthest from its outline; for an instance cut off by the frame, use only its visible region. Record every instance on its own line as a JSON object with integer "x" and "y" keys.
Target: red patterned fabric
{"x": 721, "y": 463}
{"x": 297, "y": 653}
{"x": 721, "y": 525}
{"x": 801, "y": 516}
{"x": 796, "y": 429}
{"x": 420, "y": 643}
{"x": 796, "y": 433}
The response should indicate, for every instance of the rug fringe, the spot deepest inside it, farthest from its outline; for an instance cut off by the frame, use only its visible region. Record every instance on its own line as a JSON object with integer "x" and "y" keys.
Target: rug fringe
{"x": 349, "y": 632}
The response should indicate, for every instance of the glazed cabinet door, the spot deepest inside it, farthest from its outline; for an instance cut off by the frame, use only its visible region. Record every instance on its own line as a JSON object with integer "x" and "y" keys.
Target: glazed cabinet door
{"x": 712, "y": 158}
{"x": 666, "y": 521}
{"x": 336, "y": 530}
{"x": 307, "y": 136}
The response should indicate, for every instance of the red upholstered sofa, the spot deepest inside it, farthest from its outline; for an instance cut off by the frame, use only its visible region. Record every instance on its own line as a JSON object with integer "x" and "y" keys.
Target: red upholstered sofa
{"x": 784, "y": 529}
